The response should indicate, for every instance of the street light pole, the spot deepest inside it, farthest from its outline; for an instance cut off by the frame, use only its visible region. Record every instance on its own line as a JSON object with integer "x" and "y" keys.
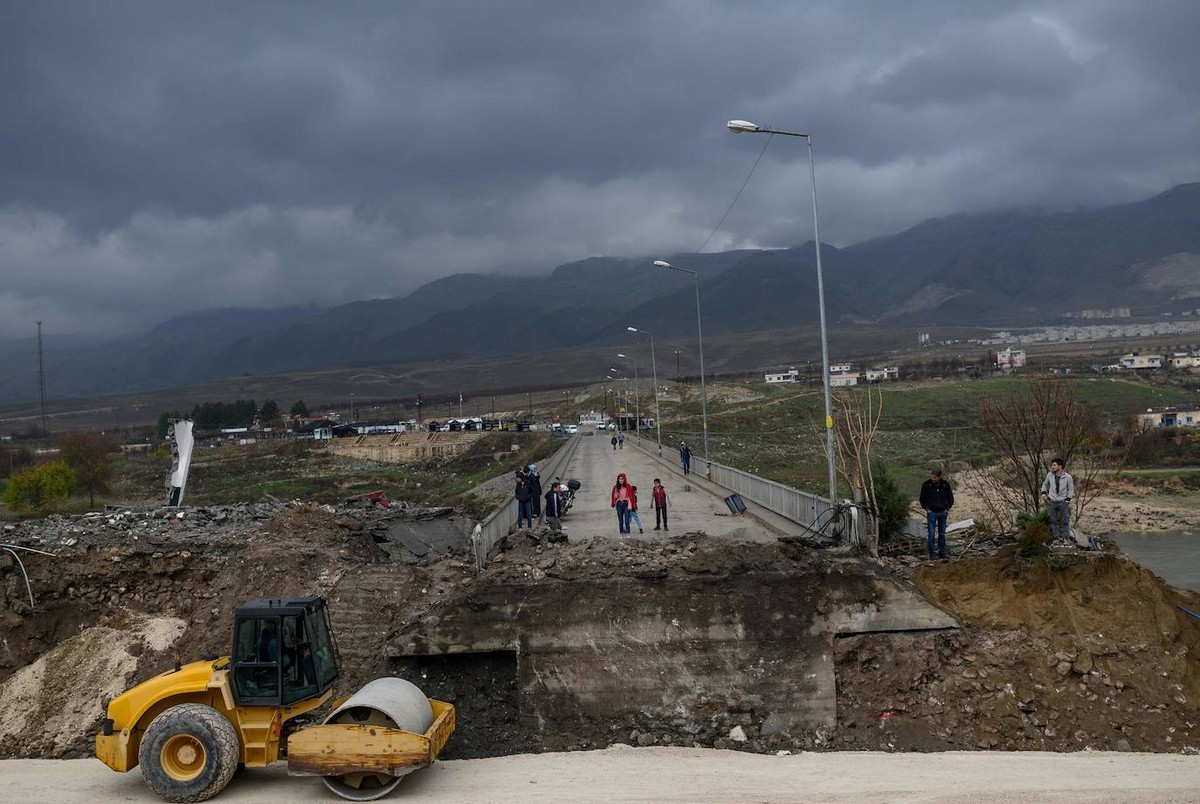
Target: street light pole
{"x": 619, "y": 407}
{"x": 654, "y": 370}
{"x": 637, "y": 399}
{"x": 745, "y": 127}
{"x": 700, "y": 343}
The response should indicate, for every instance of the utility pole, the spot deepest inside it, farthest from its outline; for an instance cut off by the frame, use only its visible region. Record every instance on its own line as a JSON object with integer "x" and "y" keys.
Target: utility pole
{"x": 42, "y": 380}
{"x": 418, "y": 411}
{"x": 677, "y": 374}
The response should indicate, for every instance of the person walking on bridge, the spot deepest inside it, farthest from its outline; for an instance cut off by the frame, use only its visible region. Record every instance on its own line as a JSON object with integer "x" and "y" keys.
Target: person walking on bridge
{"x": 685, "y": 457}
{"x": 623, "y": 496}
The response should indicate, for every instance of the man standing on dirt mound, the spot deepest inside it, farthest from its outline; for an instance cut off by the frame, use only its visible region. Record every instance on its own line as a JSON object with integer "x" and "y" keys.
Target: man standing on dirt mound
{"x": 1057, "y": 490}
{"x": 937, "y": 498}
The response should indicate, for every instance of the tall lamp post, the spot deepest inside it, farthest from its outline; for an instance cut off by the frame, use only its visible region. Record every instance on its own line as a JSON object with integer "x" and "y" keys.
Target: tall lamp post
{"x": 654, "y": 370}
{"x": 700, "y": 343}
{"x": 637, "y": 398}
{"x": 616, "y": 372}
{"x": 745, "y": 127}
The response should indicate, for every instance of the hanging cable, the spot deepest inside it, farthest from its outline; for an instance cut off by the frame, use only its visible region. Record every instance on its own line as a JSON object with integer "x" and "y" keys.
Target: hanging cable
{"x": 753, "y": 168}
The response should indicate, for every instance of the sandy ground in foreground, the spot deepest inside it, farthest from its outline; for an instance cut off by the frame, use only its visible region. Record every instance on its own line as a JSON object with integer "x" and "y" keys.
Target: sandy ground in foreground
{"x": 623, "y": 774}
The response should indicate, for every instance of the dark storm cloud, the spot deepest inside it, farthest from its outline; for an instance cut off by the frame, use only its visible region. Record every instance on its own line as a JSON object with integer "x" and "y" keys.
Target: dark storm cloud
{"x": 163, "y": 157}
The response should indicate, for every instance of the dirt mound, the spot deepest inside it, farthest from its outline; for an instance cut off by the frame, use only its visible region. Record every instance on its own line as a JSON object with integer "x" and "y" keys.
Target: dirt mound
{"x": 1091, "y": 654}
{"x": 47, "y": 704}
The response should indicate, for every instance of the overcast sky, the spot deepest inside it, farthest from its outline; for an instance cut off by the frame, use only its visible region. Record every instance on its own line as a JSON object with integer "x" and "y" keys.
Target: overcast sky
{"x": 163, "y": 157}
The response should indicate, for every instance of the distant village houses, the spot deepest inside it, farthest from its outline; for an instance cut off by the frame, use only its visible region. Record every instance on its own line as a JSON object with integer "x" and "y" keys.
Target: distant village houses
{"x": 1009, "y": 359}
{"x": 882, "y": 374}
{"x": 1185, "y": 360}
{"x": 840, "y": 375}
{"x": 777, "y": 377}
{"x": 1139, "y": 362}
{"x": 1177, "y": 416}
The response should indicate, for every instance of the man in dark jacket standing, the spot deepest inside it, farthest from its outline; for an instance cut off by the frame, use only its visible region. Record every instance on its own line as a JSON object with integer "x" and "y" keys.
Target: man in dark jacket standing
{"x": 535, "y": 487}
{"x": 936, "y": 498}
{"x": 524, "y": 496}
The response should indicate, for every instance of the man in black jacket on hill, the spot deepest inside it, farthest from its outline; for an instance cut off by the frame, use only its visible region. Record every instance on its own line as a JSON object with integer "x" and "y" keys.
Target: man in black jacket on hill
{"x": 937, "y": 498}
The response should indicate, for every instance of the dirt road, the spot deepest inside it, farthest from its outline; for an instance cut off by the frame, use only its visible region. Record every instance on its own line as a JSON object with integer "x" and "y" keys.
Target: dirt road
{"x": 695, "y": 776}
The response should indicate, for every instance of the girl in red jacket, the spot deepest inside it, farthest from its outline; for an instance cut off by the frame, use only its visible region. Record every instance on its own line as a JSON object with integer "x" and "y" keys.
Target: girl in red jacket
{"x": 624, "y": 498}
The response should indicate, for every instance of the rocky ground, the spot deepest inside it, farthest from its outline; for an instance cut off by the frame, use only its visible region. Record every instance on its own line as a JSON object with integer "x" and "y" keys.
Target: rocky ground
{"x": 1083, "y": 651}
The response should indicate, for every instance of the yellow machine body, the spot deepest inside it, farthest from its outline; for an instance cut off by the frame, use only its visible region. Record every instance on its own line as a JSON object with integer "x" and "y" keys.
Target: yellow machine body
{"x": 192, "y": 726}
{"x": 258, "y": 727}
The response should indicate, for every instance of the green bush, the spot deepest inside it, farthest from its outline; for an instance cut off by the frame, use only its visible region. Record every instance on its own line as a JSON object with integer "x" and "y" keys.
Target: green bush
{"x": 40, "y": 488}
{"x": 893, "y": 504}
{"x": 1034, "y": 541}
{"x": 1025, "y": 519}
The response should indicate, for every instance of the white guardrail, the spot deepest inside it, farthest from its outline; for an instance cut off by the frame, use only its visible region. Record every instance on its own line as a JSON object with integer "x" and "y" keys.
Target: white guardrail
{"x": 488, "y": 533}
{"x": 808, "y": 510}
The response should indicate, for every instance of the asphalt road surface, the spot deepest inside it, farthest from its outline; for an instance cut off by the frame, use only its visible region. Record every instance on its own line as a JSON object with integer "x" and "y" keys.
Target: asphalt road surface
{"x": 691, "y": 776}
{"x": 690, "y": 507}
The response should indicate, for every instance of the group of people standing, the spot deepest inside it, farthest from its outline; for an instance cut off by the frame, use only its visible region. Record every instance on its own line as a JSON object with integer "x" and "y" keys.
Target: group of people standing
{"x": 625, "y": 502}
{"x": 528, "y": 494}
{"x": 937, "y": 498}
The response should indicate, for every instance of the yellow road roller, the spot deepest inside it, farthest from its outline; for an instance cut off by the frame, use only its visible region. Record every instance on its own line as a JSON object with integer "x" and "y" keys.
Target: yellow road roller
{"x": 193, "y": 726}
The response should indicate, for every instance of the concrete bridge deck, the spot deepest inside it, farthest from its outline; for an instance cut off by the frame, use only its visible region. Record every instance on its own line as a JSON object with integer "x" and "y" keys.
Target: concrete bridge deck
{"x": 693, "y": 505}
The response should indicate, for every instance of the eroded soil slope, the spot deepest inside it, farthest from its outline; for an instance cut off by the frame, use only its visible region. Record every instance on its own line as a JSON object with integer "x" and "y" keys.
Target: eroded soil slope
{"x": 1093, "y": 653}
{"x": 1090, "y": 652}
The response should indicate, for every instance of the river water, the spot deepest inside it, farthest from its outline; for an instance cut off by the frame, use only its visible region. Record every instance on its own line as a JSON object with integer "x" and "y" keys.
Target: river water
{"x": 1174, "y": 557}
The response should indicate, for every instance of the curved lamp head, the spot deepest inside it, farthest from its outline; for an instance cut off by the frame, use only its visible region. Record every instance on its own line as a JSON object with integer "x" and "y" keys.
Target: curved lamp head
{"x": 742, "y": 127}
{"x": 662, "y": 264}
{"x": 620, "y": 355}
{"x": 631, "y": 329}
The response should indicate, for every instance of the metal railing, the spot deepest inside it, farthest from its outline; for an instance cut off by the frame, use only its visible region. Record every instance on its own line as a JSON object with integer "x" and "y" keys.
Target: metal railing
{"x": 488, "y": 533}
{"x": 810, "y": 511}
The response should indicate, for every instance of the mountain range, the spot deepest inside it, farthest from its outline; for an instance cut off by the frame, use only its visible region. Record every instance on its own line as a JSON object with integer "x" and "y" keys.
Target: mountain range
{"x": 1003, "y": 269}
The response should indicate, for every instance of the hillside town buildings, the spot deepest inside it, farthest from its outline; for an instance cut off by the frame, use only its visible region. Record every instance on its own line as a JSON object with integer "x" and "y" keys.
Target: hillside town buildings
{"x": 1175, "y": 416}
{"x": 1010, "y": 358}
{"x": 841, "y": 375}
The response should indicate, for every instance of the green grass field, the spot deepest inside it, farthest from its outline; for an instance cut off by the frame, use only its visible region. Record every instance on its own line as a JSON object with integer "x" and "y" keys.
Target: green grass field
{"x": 922, "y": 425}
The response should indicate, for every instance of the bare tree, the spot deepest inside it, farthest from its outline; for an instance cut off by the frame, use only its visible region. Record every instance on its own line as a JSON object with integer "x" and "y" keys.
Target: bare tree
{"x": 858, "y": 416}
{"x": 1042, "y": 419}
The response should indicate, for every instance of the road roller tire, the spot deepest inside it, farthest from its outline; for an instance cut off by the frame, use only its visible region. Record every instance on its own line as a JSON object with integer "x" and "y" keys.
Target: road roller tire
{"x": 189, "y": 753}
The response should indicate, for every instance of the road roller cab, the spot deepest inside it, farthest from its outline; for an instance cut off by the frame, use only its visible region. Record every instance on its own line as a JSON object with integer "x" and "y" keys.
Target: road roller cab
{"x": 283, "y": 651}
{"x": 191, "y": 727}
